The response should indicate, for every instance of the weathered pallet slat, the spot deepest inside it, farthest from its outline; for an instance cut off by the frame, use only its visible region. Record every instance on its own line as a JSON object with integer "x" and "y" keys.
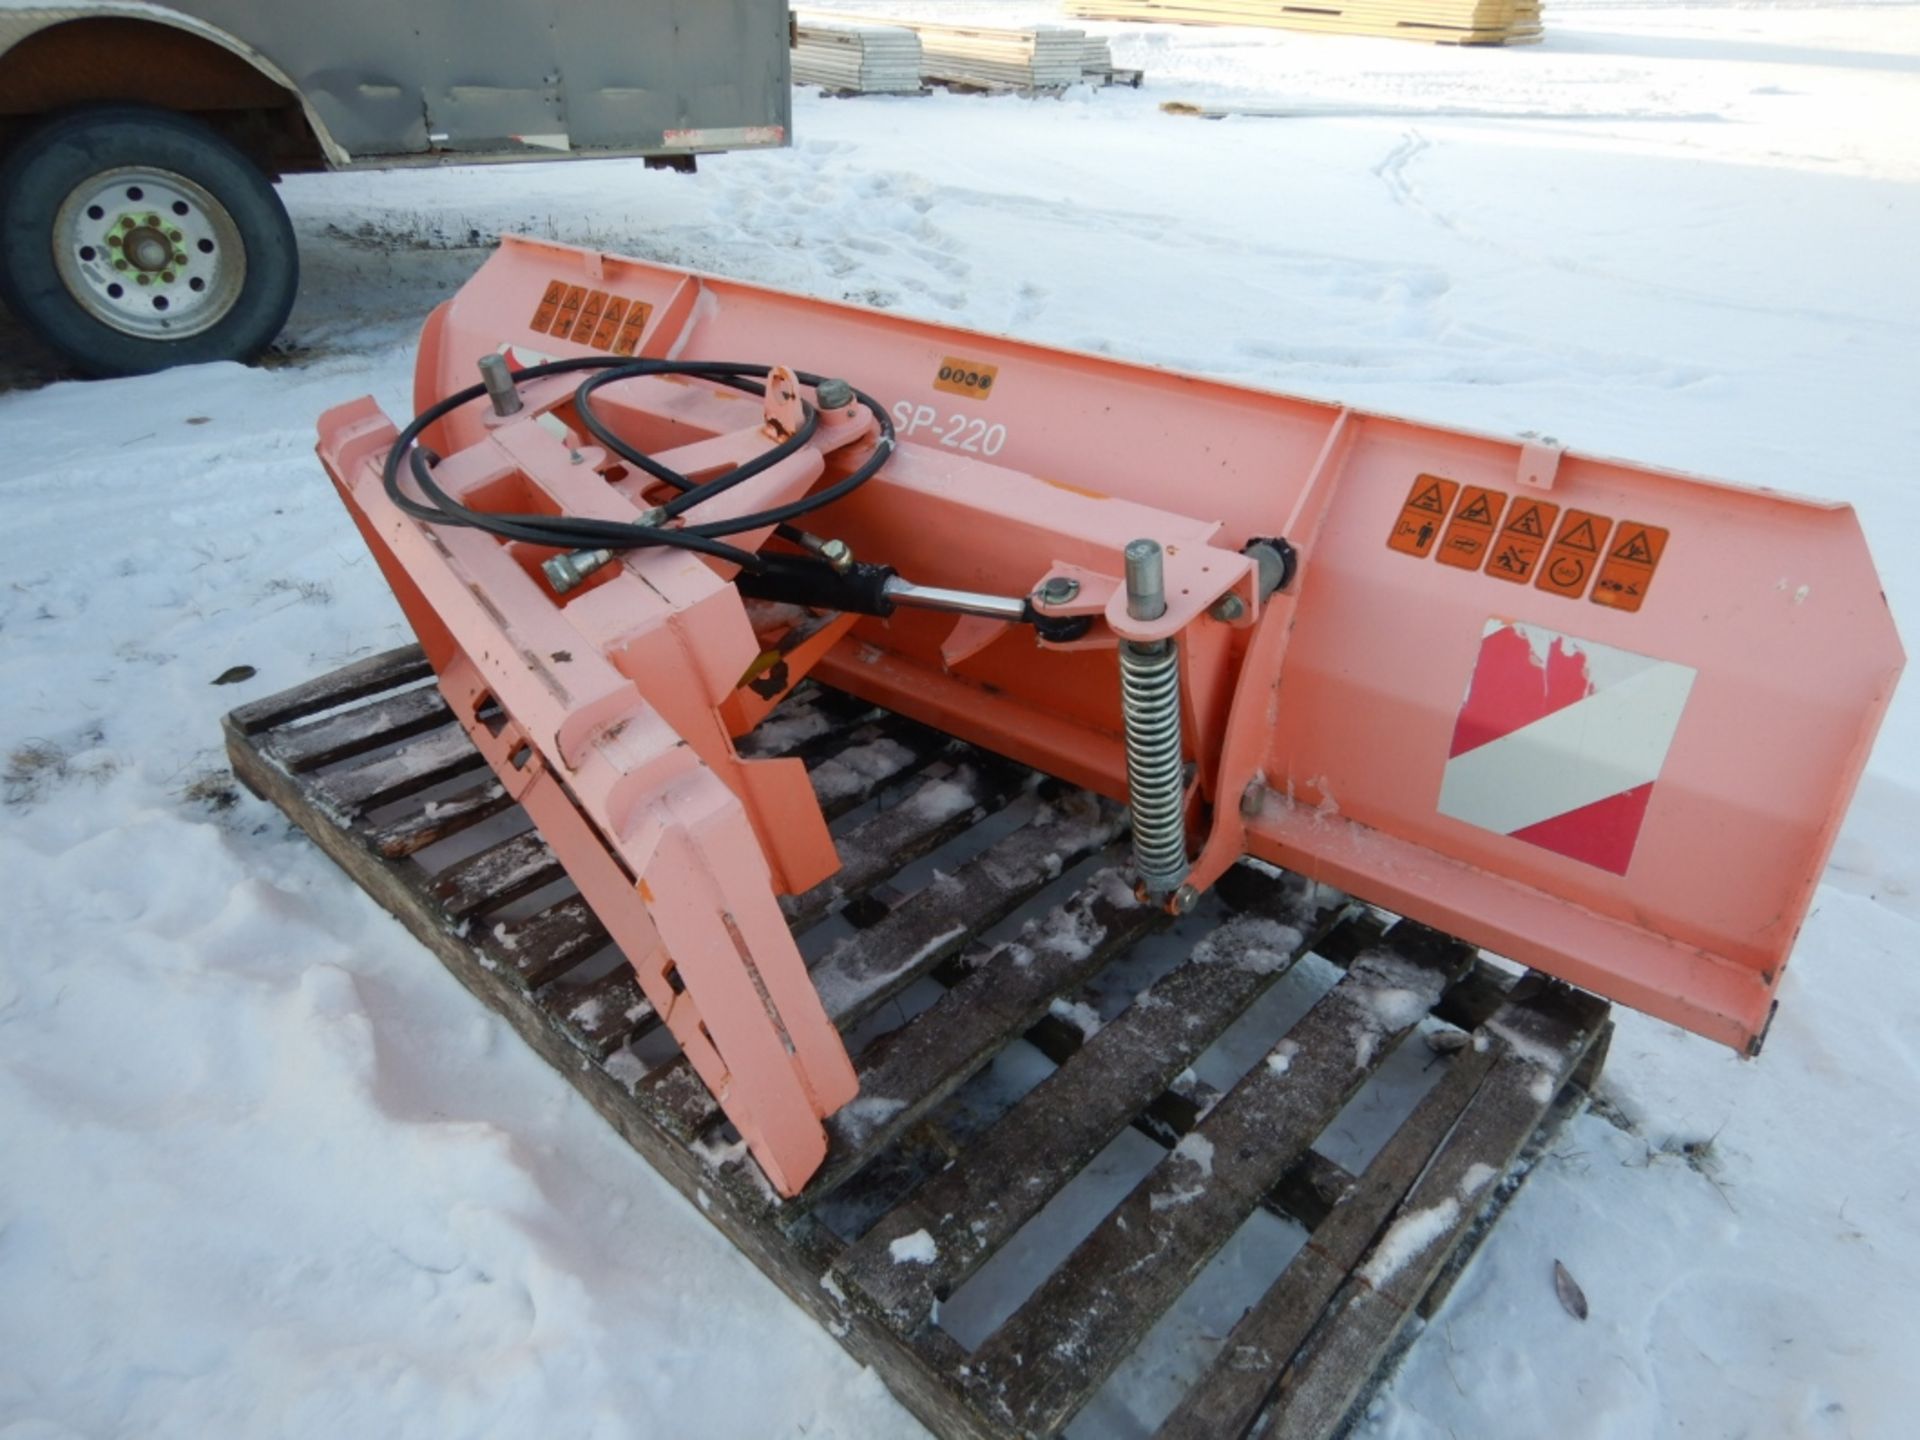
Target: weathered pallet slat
{"x": 907, "y": 1158}
{"x": 969, "y": 1211}
{"x": 417, "y": 765}
{"x": 543, "y": 947}
{"x": 603, "y": 1012}
{"x": 346, "y": 733}
{"x": 1078, "y": 1326}
{"x": 375, "y": 675}
{"x": 920, "y": 1064}
{"x": 436, "y": 820}
{"x": 936, "y": 811}
{"x": 866, "y": 970}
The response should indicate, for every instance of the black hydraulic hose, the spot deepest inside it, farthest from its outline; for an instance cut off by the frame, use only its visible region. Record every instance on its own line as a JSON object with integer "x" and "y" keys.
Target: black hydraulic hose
{"x": 578, "y": 533}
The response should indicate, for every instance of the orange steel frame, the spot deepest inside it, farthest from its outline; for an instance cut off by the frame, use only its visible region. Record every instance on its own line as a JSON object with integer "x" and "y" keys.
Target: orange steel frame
{"x": 1319, "y": 719}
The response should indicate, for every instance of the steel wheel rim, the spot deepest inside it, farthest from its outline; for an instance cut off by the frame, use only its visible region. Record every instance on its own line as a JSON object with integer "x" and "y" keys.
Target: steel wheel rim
{"x": 149, "y": 253}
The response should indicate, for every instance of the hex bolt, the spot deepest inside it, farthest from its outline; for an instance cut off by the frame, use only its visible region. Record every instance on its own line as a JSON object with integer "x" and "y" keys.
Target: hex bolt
{"x": 1228, "y": 608}
{"x": 1184, "y": 899}
{"x": 1059, "y": 589}
{"x": 1146, "y": 579}
{"x": 833, "y": 394}
{"x": 1253, "y": 798}
{"x": 838, "y": 554}
{"x": 565, "y": 572}
{"x": 653, "y": 519}
{"x": 495, "y": 375}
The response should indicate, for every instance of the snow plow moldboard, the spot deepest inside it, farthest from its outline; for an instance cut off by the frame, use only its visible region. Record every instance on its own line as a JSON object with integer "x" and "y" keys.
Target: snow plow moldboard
{"x": 1599, "y": 719}
{"x": 1465, "y": 1069}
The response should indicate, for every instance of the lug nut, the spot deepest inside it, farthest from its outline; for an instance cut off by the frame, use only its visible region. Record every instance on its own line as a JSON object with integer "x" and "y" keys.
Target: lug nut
{"x": 833, "y": 394}
{"x": 1253, "y": 798}
{"x": 838, "y": 554}
{"x": 1229, "y": 608}
{"x": 1184, "y": 899}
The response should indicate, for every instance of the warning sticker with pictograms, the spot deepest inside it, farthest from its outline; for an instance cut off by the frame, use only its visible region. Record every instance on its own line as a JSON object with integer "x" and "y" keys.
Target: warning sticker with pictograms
{"x": 1575, "y": 555}
{"x": 1420, "y": 518}
{"x": 590, "y": 317}
{"x": 1470, "y": 532}
{"x": 1628, "y": 570}
{"x": 1524, "y": 536}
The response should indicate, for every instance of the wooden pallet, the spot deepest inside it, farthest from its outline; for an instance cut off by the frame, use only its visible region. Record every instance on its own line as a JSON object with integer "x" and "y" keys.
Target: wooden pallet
{"x": 932, "y": 1172}
{"x": 1444, "y": 22}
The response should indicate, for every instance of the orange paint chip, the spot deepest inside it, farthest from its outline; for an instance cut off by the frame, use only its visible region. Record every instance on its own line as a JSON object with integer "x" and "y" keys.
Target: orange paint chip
{"x": 1522, "y": 540}
{"x": 1470, "y": 533}
{"x": 1420, "y": 518}
{"x": 1628, "y": 570}
{"x": 1575, "y": 556}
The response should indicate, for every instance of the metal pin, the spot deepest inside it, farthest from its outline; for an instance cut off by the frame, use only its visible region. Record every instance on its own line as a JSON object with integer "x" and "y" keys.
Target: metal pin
{"x": 1146, "y": 580}
{"x": 495, "y": 375}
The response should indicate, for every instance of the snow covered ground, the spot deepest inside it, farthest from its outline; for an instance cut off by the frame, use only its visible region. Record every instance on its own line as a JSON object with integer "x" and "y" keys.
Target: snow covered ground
{"x": 264, "y": 1169}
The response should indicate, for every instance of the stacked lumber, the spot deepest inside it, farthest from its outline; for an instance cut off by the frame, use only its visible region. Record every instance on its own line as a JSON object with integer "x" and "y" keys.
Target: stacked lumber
{"x": 987, "y": 57}
{"x": 1445, "y": 22}
{"x": 852, "y": 59}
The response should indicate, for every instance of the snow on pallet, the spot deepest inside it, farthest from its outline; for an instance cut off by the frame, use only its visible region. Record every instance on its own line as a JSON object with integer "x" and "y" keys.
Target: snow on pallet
{"x": 1445, "y": 22}
{"x": 925, "y": 1180}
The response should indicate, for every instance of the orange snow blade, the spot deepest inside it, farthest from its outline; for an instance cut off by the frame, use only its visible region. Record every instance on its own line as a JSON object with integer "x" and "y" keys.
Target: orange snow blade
{"x": 1598, "y": 718}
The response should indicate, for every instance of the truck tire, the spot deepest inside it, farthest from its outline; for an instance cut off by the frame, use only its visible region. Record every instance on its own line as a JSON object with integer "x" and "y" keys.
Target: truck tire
{"x": 137, "y": 238}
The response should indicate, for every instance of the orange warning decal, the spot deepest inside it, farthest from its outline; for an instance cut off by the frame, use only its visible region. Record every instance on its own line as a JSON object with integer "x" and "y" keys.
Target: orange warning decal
{"x": 1577, "y": 548}
{"x": 965, "y": 377}
{"x": 1420, "y": 518}
{"x": 609, "y": 325}
{"x": 1521, "y": 540}
{"x": 589, "y": 317}
{"x": 628, "y": 340}
{"x": 1470, "y": 532}
{"x": 1629, "y": 566}
{"x": 569, "y": 310}
{"x": 549, "y": 305}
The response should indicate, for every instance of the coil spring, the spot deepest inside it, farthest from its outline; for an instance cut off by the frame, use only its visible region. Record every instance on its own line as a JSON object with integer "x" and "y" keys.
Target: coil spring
{"x": 1156, "y": 773}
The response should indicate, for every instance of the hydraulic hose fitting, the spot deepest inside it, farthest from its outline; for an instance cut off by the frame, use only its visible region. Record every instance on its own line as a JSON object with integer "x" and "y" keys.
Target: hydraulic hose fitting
{"x": 1150, "y": 708}
{"x": 567, "y": 572}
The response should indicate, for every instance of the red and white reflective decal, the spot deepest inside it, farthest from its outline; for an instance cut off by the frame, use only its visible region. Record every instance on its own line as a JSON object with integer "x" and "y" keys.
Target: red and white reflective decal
{"x": 1560, "y": 740}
